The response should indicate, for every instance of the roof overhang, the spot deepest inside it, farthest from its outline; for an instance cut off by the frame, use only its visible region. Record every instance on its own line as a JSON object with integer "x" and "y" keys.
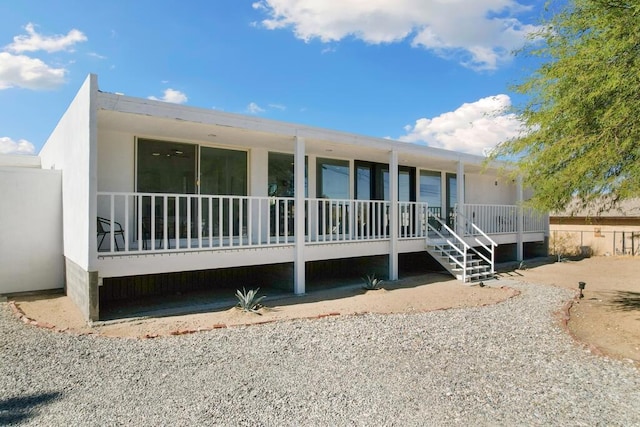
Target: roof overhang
{"x": 156, "y": 119}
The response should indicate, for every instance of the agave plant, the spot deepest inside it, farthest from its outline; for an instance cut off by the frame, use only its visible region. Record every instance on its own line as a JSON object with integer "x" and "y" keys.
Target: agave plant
{"x": 249, "y": 300}
{"x": 371, "y": 282}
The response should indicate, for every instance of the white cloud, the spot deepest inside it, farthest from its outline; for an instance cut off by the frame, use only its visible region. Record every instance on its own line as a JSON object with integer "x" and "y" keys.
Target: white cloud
{"x": 22, "y": 146}
{"x": 474, "y": 128}
{"x": 277, "y": 107}
{"x": 254, "y": 108}
{"x": 33, "y": 41}
{"x": 173, "y": 96}
{"x": 29, "y": 73}
{"x": 96, "y": 55}
{"x": 480, "y": 34}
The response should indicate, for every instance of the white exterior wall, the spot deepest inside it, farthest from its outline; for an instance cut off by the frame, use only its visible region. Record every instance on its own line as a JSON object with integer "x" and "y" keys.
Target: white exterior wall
{"x": 31, "y": 229}
{"x": 116, "y": 161}
{"x": 482, "y": 189}
{"x": 71, "y": 148}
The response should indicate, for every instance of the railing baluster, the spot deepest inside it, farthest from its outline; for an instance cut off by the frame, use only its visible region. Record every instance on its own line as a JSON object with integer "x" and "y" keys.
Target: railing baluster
{"x": 198, "y": 200}
{"x": 210, "y": 220}
{"x": 112, "y": 238}
{"x": 176, "y": 221}
{"x": 126, "y": 223}
{"x": 249, "y": 221}
{"x": 165, "y": 220}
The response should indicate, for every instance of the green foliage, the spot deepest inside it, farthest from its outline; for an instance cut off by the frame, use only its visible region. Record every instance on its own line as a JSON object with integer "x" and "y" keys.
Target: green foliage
{"x": 582, "y": 114}
{"x": 371, "y": 283}
{"x": 249, "y": 300}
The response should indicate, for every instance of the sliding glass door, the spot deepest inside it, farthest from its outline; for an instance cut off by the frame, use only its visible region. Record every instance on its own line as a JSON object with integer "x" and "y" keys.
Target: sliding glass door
{"x": 179, "y": 170}
{"x": 164, "y": 168}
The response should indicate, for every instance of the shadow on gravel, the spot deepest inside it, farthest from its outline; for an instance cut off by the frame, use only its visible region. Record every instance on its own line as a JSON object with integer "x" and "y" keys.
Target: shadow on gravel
{"x": 626, "y": 300}
{"x": 18, "y": 409}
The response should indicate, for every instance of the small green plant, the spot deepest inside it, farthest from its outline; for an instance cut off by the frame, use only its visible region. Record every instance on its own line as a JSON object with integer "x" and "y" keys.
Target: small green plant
{"x": 249, "y": 300}
{"x": 371, "y": 282}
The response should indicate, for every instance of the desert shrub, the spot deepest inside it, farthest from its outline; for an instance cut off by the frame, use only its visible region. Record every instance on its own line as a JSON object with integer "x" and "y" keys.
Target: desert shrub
{"x": 249, "y": 300}
{"x": 563, "y": 244}
{"x": 371, "y": 282}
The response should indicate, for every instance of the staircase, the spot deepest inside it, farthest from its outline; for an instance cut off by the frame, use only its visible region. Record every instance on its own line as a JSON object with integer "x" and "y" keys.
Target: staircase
{"x": 466, "y": 263}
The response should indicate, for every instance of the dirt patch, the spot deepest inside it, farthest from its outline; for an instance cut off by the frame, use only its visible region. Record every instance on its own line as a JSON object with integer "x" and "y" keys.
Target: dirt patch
{"x": 608, "y": 315}
{"x": 410, "y": 295}
{"x": 607, "y": 318}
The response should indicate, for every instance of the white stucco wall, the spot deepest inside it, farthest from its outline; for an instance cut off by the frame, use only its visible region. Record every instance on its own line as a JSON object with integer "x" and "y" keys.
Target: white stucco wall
{"x": 31, "y": 229}
{"x": 71, "y": 148}
{"x": 482, "y": 189}
{"x": 116, "y": 161}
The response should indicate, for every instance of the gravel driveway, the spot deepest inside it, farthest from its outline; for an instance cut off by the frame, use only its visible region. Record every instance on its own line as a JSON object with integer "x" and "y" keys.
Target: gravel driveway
{"x": 507, "y": 364}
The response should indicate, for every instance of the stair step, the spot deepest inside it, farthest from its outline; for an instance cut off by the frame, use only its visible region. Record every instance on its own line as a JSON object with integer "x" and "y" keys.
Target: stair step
{"x": 477, "y": 269}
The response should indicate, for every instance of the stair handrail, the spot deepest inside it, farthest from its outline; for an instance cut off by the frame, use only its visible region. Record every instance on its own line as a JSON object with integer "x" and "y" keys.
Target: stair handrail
{"x": 492, "y": 242}
{"x": 465, "y": 245}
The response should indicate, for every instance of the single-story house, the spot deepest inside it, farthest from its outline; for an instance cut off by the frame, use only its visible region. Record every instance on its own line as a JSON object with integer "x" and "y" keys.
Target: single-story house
{"x": 592, "y": 231}
{"x": 148, "y": 189}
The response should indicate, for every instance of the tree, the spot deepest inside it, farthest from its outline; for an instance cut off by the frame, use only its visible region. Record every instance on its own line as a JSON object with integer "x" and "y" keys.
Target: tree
{"x": 581, "y": 137}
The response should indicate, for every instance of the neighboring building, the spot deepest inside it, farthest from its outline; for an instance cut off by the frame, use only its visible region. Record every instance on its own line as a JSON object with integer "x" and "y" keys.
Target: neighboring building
{"x": 195, "y": 190}
{"x": 587, "y": 231}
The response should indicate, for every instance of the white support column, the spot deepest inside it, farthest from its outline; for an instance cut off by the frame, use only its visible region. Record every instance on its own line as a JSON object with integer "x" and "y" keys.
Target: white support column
{"x": 460, "y": 199}
{"x": 299, "y": 218}
{"x": 520, "y": 221}
{"x": 258, "y": 186}
{"x": 393, "y": 216}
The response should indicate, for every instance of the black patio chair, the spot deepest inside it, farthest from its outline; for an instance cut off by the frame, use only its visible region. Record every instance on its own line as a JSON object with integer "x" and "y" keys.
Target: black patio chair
{"x": 104, "y": 229}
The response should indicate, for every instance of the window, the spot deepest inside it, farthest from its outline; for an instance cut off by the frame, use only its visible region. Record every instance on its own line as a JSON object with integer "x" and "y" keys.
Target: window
{"x": 282, "y": 175}
{"x": 166, "y": 167}
{"x": 333, "y": 178}
{"x": 431, "y": 188}
{"x": 372, "y": 182}
{"x": 223, "y": 172}
{"x": 171, "y": 167}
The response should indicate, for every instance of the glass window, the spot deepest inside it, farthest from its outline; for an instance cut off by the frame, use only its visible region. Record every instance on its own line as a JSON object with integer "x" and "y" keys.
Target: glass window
{"x": 333, "y": 178}
{"x": 363, "y": 182}
{"x": 223, "y": 172}
{"x": 405, "y": 181}
{"x": 282, "y": 175}
{"x": 166, "y": 167}
{"x": 431, "y": 188}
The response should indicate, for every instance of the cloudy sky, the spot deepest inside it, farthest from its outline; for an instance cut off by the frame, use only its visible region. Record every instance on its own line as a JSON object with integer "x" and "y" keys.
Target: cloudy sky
{"x": 434, "y": 72}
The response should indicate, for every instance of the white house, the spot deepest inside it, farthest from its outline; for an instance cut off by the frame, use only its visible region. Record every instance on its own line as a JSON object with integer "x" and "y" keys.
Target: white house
{"x": 152, "y": 188}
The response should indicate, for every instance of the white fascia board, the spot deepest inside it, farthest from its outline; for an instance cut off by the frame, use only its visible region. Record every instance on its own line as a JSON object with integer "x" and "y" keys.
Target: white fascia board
{"x": 148, "y": 107}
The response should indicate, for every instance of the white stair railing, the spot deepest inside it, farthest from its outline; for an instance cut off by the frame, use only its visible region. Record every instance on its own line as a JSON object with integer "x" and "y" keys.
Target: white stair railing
{"x": 435, "y": 226}
{"x": 488, "y": 244}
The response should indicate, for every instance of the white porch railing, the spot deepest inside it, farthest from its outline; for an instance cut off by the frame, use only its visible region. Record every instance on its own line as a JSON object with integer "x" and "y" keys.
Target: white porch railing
{"x": 177, "y": 222}
{"x": 335, "y": 220}
{"x": 499, "y": 219}
{"x": 151, "y": 222}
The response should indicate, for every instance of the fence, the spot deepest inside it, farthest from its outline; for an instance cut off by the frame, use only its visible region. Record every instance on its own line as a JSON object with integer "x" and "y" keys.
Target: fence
{"x": 594, "y": 242}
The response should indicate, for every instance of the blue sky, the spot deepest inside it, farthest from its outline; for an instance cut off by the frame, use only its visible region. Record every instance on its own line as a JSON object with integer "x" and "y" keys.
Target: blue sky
{"x": 423, "y": 71}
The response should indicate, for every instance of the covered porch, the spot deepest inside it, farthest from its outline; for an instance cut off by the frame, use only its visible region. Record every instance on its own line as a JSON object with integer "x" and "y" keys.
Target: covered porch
{"x": 143, "y": 233}
{"x": 185, "y": 189}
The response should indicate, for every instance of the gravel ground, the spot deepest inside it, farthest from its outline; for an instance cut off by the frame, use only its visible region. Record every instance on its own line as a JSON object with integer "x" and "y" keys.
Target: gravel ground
{"x": 507, "y": 364}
